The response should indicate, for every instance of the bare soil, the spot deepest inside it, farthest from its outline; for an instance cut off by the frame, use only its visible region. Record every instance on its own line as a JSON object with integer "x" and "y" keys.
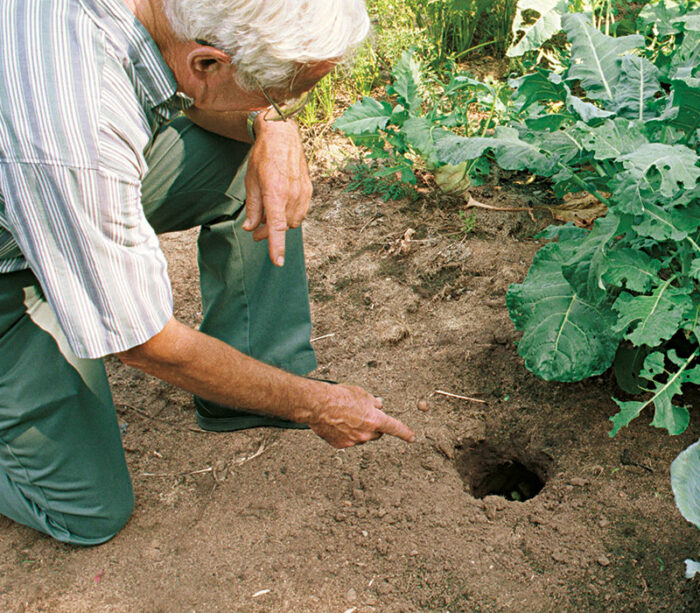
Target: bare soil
{"x": 405, "y": 303}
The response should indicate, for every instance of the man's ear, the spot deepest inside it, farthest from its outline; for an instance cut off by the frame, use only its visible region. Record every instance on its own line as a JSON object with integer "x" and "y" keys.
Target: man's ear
{"x": 204, "y": 60}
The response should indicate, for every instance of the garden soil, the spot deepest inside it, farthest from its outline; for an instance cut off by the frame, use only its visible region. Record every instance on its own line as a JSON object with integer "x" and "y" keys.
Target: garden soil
{"x": 512, "y": 498}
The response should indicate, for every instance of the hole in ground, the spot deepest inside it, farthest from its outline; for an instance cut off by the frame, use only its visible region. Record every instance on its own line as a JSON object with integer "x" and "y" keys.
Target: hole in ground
{"x": 490, "y": 470}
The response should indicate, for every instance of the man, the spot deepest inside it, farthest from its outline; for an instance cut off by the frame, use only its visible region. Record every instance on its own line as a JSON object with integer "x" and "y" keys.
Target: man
{"x": 94, "y": 161}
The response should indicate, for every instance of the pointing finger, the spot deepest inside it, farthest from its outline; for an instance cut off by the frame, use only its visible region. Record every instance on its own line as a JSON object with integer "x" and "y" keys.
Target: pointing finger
{"x": 396, "y": 428}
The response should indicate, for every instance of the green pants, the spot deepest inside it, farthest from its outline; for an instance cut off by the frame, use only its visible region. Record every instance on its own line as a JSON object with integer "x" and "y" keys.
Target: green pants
{"x": 62, "y": 466}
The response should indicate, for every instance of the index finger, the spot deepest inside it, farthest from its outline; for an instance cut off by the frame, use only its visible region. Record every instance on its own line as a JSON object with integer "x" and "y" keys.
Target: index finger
{"x": 394, "y": 427}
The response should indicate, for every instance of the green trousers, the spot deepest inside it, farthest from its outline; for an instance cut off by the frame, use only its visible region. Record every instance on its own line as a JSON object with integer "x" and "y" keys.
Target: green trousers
{"x": 62, "y": 466}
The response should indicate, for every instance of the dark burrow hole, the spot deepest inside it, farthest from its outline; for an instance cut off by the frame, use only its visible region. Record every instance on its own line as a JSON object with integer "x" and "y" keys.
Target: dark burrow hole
{"x": 489, "y": 470}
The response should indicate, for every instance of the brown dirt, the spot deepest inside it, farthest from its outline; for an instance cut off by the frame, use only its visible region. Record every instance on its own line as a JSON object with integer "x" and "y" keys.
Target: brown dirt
{"x": 274, "y": 520}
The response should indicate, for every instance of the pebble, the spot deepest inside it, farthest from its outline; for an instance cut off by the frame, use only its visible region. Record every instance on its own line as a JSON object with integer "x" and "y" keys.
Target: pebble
{"x": 423, "y": 405}
{"x": 604, "y": 523}
{"x": 578, "y": 482}
{"x": 603, "y": 560}
{"x": 351, "y": 596}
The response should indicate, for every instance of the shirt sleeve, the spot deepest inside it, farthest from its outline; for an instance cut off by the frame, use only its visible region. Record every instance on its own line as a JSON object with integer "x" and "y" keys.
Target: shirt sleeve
{"x": 86, "y": 238}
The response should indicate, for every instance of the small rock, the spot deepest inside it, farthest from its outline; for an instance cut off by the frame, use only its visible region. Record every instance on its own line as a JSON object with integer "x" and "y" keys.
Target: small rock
{"x": 560, "y": 556}
{"x": 578, "y": 482}
{"x": 351, "y": 596}
{"x": 603, "y": 560}
{"x": 604, "y": 523}
{"x": 423, "y": 405}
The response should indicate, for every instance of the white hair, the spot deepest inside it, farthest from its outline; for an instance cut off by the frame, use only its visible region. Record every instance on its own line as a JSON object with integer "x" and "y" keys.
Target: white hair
{"x": 268, "y": 40}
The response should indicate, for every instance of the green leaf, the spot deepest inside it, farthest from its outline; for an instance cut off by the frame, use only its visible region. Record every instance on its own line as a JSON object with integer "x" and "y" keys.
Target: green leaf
{"x": 667, "y": 415}
{"x": 631, "y": 268}
{"x": 675, "y": 224}
{"x": 600, "y": 64}
{"x": 584, "y": 269}
{"x": 629, "y": 361}
{"x": 510, "y": 151}
{"x": 611, "y": 139}
{"x": 564, "y": 338}
{"x": 534, "y": 34}
{"x": 422, "y": 135}
{"x": 635, "y": 91}
{"x": 587, "y": 111}
{"x": 661, "y": 16}
{"x": 364, "y": 117}
{"x": 407, "y": 82}
{"x": 677, "y": 165}
{"x": 651, "y": 319}
{"x": 685, "y": 481}
{"x": 687, "y": 100}
{"x": 540, "y": 86}
{"x": 695, "y": 269}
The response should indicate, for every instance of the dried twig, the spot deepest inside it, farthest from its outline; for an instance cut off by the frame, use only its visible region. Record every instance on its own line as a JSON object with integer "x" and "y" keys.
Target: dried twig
{"x": 451, "y": 395}
{"x": 319, "y": 338}
{"x": 202, "y": 471}
{"x": 511, "y": 209}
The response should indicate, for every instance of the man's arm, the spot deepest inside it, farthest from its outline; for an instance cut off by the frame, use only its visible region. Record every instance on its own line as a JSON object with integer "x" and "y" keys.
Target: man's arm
{"x": 342, "y": 415}
{"x": 278, "y": 187}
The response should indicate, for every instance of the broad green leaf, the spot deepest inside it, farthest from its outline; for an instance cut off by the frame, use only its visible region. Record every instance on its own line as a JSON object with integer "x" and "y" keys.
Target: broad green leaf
{"x": 677, "y": 165}
{"x": 685, "y": 61}
{"x": 685, "y": 481}
{"x": 687, "y": 100}
{"x": 364, "y": 117}
{"x": 510, "y": 151}
{"x": 665, "y": 386}
{"x": 661, "y": 15}
{"x": 584, "y": 269}
{"x": 651, "y": 319}
{"x": 632, "y": 269}
{"x": 611, "y": 139}
{"x": 559, "y": 144}
{"x": 600, "y": 63}
{"x": 629, "y": 362}
{"x": 422, "y": 135}
{"x": 635, "y": 91}
{"x": 534, "y": 34}
{"x": 407, "y": 82}
{"x": 587, "y": 111}
{"x": 695, "y": 269}
{"x": 564, "y": 338}
{"x": 540, "y": 86}
{"x": 675, "y": 224}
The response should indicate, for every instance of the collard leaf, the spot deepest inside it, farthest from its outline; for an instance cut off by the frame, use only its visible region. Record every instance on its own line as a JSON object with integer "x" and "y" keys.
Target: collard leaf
{"x": 564, "y": 338}
{"x": 611, "y": 139}
{"x": 635, "y": 91}
{"x": 687, "y": 100}
{"x": 651, "y": 319}
{"x": 600, "y": 63}
{"x": 632, "y": 269}
{"x": 675, "y": 223}
{"x": 587, "y": 111}
{"x": 676, "y": 164}
{"x": 540, "y": 86}
{"x": 692, "y": 568}
{"x": 510, "y": 151}
{"x": 541, "y": 30}
{"x": 661, "y": 16}
{"x": 695, "y": 269}
{"x": 585, "y": 268}
{"x": 407, "y": 82}
{"x": 364, "y": 117}
{"x": 629, "y": 362}
{"x": 665, "y": 387}
{"x": 685, "y": 481}
{"x": 422, "y": 135}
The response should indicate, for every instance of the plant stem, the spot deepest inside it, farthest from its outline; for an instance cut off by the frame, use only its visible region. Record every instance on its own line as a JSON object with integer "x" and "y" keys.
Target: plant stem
{"x": 585, "y": 186}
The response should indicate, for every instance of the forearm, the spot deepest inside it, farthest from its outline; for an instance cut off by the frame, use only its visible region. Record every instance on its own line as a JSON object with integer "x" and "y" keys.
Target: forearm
{"x": 230, "y": 124}
{"x": 217, "y": 372}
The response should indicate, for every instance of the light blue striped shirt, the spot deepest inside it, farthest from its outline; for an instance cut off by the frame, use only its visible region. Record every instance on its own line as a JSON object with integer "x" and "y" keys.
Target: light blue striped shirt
{"x": 83, "y": 88}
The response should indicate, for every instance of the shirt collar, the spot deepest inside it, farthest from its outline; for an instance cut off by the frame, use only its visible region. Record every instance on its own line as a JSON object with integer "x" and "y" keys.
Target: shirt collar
{"x": 157, "y": 80}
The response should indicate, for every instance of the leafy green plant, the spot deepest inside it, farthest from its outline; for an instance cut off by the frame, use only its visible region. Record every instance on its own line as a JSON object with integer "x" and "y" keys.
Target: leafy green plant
{"x": 403, "y": 131}
{"x": 622, "y": 122}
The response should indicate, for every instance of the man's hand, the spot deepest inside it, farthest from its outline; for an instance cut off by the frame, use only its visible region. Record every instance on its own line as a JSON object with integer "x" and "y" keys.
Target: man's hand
{"x": 351, "y": 416}
{"x": 278, "y": 188}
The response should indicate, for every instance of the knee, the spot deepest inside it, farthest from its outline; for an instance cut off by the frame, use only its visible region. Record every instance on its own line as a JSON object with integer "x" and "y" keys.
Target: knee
{"x": 101, "y": 523}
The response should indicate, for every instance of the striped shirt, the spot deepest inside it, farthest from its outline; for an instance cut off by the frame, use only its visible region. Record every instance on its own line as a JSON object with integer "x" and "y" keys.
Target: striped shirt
{"x": 83, "y": 88}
